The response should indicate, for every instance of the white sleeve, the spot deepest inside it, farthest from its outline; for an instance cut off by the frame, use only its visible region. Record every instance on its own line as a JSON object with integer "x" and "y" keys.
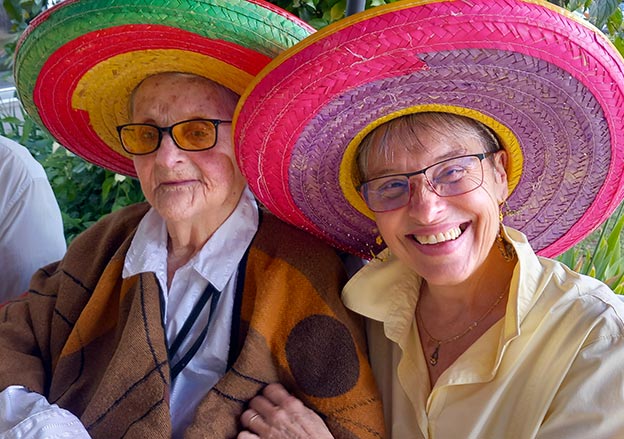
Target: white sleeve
{"x": 31, "y": 227}
{"x": 25, "y": 414}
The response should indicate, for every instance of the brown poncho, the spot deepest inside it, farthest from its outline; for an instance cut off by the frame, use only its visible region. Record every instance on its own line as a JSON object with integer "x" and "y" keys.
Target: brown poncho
{"x": 94, "y": 343}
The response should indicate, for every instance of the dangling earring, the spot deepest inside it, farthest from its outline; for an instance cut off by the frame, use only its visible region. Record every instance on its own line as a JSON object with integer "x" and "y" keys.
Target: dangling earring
{"x": 378, "y": 241}
{"x": 505, "y": 248}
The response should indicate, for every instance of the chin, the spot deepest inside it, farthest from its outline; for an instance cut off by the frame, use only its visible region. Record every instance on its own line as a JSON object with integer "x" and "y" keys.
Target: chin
{"x": 446, "y": 271}
{"x": 175, "y": 211}
{"x": 174, "y": 217}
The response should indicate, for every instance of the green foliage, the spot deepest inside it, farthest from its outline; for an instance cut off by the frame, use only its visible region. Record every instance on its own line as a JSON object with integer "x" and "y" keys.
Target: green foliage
{"x": 20, "y": 12}
{"x": 84, "y": 191}
{"x": 604, "y": 14}
{"x": 320, "y": 13}
{"x": 600, "y": 255}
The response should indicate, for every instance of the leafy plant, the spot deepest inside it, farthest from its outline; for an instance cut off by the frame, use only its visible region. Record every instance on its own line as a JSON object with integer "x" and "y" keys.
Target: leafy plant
{"x": 604, "y": 14}
{"x": 600, "y": 255}
{"x": 320, "y": 13}
{"x": 20, "y": 13}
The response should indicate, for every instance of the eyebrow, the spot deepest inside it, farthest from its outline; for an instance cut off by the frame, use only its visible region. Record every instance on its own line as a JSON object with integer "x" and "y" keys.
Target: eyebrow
{"x": 449, "y": 155}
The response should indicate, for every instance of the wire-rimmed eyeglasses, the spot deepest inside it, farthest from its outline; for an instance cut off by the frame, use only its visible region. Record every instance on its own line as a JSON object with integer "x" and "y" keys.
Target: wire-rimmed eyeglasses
{"x": 447, "y": 178}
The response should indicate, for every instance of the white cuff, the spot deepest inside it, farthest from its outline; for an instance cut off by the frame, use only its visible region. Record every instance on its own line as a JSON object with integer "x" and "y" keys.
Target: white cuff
{"x": 25, "y": 414}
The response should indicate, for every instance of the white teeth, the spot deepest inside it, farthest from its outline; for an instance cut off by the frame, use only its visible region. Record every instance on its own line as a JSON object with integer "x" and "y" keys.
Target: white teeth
{"x": 449, "y": 235}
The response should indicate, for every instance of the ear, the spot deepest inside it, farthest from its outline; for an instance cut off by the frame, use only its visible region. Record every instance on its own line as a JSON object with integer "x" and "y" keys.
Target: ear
{"x": 499, "y": 167}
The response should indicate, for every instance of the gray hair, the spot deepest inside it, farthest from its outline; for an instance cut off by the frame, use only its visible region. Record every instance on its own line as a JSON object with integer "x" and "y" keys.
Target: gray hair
{"x": 406, "y": 131}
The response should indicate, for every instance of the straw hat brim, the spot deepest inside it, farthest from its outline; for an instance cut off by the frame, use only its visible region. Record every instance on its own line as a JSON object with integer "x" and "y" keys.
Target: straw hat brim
{"x": 549, "y": 85}
{"x": 77, "y": 64}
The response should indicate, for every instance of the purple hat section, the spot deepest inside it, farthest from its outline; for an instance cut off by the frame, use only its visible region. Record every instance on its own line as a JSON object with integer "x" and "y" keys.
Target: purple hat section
{"x": 555, "y": 83}
{"x": 542, "y": 103}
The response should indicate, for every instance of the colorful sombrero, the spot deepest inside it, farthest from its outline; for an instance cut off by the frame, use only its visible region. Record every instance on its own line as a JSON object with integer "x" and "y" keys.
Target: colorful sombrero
{"x": 549, "y": 84}
{"x": 77, "y": 63}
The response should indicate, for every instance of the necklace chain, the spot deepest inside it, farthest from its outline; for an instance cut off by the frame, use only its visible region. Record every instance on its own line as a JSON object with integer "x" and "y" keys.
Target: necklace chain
{"x": 433, "y": 358}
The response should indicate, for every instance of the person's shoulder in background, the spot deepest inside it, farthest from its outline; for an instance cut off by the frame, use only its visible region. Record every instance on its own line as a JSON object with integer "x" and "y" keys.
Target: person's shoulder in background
{"x": 31, "y": 226}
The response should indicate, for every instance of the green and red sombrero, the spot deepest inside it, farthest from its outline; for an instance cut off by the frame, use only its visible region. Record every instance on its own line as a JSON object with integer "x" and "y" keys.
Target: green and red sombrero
{"x": 550, "y": 85}
{"x": 78, "y": 62}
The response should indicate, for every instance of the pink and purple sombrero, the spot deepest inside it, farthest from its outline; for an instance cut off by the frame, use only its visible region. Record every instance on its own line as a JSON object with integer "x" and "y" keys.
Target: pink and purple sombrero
{"x": 550, "y": 85}
{"x": 78, "y": 62}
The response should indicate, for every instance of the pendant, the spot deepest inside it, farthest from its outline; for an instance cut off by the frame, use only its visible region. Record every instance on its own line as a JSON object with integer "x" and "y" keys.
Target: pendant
{"x": 433, "y": 360}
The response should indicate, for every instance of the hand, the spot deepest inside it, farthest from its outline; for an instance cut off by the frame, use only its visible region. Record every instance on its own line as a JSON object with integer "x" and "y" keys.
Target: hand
{"x": 276, "y": 414}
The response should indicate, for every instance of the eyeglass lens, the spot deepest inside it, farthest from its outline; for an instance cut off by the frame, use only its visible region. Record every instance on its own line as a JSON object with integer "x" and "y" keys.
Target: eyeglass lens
{"x": 191, "y": 135}
{"x": 448, "y": 178}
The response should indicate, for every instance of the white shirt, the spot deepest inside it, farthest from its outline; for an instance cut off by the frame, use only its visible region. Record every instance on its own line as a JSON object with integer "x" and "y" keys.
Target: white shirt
{"x": 31, "y": 228}
{"x": 217, "y": 262}
{"x": 552, "y": 367}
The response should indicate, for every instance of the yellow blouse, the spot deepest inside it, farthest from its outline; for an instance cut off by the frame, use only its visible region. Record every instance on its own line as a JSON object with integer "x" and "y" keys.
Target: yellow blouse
{"x": 553, "y": 367}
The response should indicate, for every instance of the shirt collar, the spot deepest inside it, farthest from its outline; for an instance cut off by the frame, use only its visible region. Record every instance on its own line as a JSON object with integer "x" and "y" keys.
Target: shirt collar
{"x": 387, "y": 291}
{"x": 218, "y": 259}
{"x": 527, "y": 283}
{"x": 384, "y": 290}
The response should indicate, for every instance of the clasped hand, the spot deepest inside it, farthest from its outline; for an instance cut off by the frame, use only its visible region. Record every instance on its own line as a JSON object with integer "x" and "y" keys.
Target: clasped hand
{"x": 276, "y": 414}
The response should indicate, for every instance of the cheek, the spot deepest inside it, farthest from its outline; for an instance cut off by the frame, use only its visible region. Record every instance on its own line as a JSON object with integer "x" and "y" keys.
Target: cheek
{"x": 143, "y": 166}
{"x": 220, "y": 169}
{"x": 213, "y": 168}
{"x": 387, "y": 223}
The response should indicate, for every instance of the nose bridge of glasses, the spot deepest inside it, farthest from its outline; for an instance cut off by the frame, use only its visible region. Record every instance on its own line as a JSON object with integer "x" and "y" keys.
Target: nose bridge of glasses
{"x": 415, "y": 183}
{"x": 424, "y": 199}
{"x": 166, "y": 133}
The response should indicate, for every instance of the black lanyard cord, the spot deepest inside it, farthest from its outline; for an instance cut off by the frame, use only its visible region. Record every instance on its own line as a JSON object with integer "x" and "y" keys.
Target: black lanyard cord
{"x": 210, "y": 292}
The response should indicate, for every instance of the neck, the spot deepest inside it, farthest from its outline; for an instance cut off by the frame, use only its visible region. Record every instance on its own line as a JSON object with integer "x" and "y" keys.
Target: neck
{"x": 453, "y": 303}
{"x": 451, "y": 318}
{"x": 185, "y": 239}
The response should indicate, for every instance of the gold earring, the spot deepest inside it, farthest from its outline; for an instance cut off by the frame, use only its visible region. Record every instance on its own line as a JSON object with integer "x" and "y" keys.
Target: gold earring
{"x": 505, "y": 247}
{"x": 379, "y": 242}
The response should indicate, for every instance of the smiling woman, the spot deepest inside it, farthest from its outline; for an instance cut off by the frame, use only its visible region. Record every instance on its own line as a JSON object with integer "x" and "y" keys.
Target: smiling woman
{"x": 469, "y": 137}
{"x": 457, "y": 195}
{"x": 156, "y": 318}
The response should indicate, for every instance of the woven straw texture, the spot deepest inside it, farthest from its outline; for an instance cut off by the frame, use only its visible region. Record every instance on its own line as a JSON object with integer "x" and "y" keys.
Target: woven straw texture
{"x": 77, "y": 63}
{"x": 537, "y": 76}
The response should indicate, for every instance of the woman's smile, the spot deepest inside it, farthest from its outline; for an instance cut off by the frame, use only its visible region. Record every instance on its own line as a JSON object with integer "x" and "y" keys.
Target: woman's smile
{"x": 440, "y": 237}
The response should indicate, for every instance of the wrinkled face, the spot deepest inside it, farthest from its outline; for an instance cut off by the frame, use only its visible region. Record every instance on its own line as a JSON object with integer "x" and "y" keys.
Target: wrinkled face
{"x": 183, "y": 185}
{"x": 443, "y": 239}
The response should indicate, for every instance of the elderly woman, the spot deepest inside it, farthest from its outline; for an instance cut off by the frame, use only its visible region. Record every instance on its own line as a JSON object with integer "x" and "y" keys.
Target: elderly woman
{"x": 427, "y": 125}
{"x": 166, "y": 317}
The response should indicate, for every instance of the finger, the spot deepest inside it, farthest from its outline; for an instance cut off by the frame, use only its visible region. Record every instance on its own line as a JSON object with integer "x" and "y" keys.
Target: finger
{"x": 276, "y": 393}
{"x": 255, "y": 417}
{"x": 259, "y": 426}
{"x": 280, "y": 397}
{"x": 262, "y": 405}
{"x": 247, "y": 435}
{"x": 248, "y": 417}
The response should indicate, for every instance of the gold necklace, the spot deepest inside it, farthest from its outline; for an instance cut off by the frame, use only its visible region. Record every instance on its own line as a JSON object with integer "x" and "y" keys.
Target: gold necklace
{"x": 433, "y": 359}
